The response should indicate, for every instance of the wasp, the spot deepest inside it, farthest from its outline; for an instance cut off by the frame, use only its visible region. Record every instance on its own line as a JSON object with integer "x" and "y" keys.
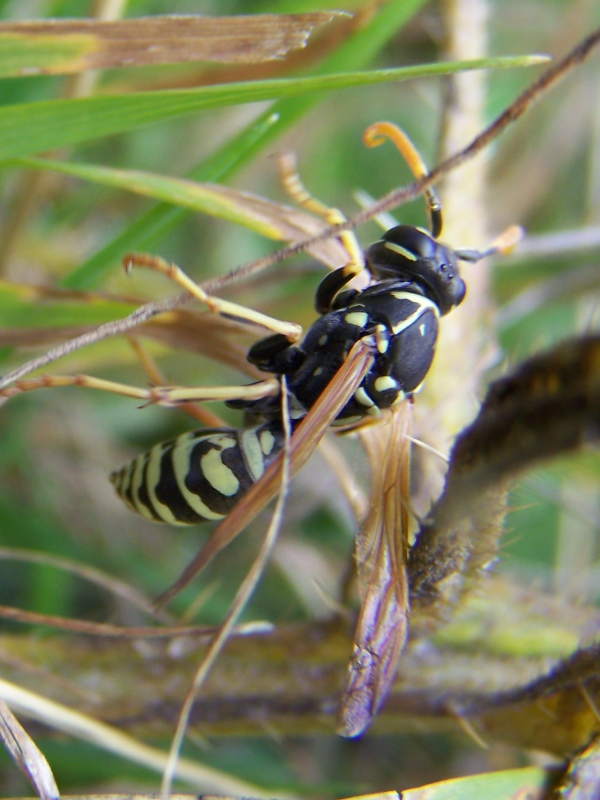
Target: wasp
{"x": 413, "y": 280}
{"x": 387, "y": 300}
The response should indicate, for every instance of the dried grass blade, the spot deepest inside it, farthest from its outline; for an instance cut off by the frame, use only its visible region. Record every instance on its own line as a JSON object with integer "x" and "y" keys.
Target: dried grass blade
{"x": 63, "y": 46}
{"x": 240, "y": 601}
{"x": 26, "y": 754}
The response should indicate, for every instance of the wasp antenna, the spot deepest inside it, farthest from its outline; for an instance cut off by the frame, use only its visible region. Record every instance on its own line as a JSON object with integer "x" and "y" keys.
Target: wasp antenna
{"x": 376, "y": 134}
{"x": 504, "y": 243}
{"x": 508, "y": 239}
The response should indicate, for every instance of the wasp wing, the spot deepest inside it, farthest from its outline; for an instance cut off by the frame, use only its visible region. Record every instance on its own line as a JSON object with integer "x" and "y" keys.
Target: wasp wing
{"x": 381, "y": 556}
{"x": 302, "y": 444}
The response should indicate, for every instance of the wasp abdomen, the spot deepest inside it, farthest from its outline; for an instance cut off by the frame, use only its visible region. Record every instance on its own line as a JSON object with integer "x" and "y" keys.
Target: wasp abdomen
{"x": 199, "y": 475}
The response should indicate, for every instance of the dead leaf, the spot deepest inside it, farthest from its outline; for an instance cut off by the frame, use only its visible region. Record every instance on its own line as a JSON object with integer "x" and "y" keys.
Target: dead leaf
{"x": 62, "y": 46}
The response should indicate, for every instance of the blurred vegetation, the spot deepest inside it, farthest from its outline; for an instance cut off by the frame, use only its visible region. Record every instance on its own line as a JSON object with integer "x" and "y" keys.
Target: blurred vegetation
{"x": 57, "y": 446}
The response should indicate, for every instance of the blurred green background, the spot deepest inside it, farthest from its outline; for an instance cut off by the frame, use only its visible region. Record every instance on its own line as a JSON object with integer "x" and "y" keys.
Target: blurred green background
{"x": 58, "y": 446}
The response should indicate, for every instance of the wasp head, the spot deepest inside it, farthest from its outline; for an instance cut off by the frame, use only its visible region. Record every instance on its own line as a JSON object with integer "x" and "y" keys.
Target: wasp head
{"x": 409, "y": 253}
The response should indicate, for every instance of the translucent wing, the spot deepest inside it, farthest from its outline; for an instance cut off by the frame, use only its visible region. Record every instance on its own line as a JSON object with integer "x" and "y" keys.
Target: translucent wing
{"x": 381, "y": 554}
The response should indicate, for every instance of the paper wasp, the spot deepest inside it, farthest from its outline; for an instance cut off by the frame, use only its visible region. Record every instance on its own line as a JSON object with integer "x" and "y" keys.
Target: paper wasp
{"x": 409, "y": 280}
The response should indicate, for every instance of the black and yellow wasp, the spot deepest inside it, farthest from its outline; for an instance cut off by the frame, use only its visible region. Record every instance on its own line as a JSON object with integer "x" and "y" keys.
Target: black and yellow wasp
{"x": 414, "y": 279}
{"x": 409, "y": 280}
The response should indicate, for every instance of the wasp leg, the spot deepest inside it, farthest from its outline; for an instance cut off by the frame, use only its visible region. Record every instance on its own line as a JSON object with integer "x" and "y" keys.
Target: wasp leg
{"x": 217, "y": 305}
{"x": 334, "y": 281}
{"x": 296, "y": 190}
{"x": 275, "y": 354}
{"x": 160, "y": 395}
{"x": 376, "y": 134}
{"x": 156, "y": 378}
{"x": 327, "y": 297}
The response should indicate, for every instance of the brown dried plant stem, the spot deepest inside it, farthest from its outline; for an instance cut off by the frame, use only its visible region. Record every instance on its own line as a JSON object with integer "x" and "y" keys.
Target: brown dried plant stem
{"x": 506, "y": 701}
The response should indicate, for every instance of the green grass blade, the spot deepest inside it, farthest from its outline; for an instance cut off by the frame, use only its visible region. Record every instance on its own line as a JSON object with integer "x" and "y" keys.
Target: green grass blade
{"x": 163, "y": 217}
{"x": 525, "y": 782}
{"x": 21, "y": 306}
{"x": 29, "y": 128}
{"x": 145, "y": 231}
{"x": 236, "y": 207}
{"x": 20, "y": 55}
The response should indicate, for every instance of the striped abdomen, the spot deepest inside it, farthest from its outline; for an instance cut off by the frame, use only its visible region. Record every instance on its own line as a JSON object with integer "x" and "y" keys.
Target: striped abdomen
{"x": 198, "y": 476}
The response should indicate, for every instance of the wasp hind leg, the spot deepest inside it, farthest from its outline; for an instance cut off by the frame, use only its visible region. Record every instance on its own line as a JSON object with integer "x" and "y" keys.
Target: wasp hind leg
{"x": 160, "y": 395}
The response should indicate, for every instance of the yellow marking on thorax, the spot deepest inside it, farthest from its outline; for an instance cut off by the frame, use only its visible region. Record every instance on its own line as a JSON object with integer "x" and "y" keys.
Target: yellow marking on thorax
{"x": 385, "y": 382}
{"x": 381, "y": 338}
{"x": 357, "y": 318}
{"x": 363, "y": 398}
{"x": 402, "y": 251}
{"x": 423, "y": 304}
